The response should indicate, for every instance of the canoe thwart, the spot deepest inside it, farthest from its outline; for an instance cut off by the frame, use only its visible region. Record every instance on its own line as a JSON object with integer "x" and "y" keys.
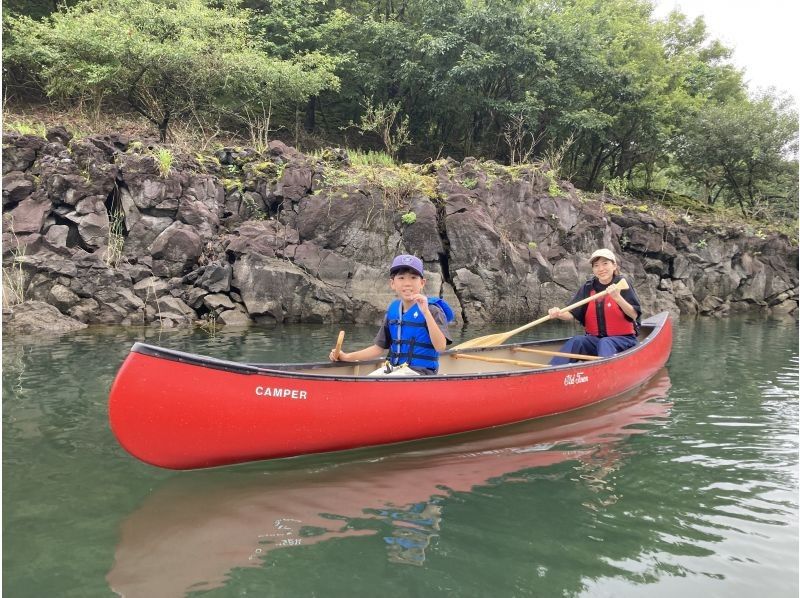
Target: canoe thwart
{"x": 557, "y": 354}
{"x": 525, "y": 364}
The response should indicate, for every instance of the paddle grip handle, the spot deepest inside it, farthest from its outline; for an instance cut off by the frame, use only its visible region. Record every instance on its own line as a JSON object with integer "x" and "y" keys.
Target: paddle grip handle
{"x": 339, "y": 341}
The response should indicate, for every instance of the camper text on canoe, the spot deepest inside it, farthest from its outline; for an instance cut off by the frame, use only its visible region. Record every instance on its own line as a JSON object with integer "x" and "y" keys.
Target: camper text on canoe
{"x": 281, "y": 393}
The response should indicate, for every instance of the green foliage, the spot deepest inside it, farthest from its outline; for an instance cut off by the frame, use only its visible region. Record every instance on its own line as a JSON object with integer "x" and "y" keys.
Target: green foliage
{"x": 164, "y": 158}
{"x": 26, "y": 128}
{"x": 135, "y": 147}
{"x": 383, "y": 119}
{"x": 744, "y": 152}
{"x": 397, "y": 183}
{"x": 165, "y": 59}
{"x": 231, "y": 185}
{"x": 358, "y": 157}
{"x": 617, "y": 187}
{"x": 409, "y": 218}
{"x": 553, "y": 189}
{"x": 598, "y": 92}
{"x": 370, "y": 158}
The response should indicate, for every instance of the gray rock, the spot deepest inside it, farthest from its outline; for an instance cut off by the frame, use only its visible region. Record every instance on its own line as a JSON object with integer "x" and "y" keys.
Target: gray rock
{"x": 19, "y": 151}
{"x": 217, "y": 302}
{"x": 29, "y": 215}
{"x": 32, "y": 317}
{"x": 274, "y": 290}
{"x": 142, "y": 234}
{"x": 234, "y": 317}
{"x": 500, "y": 249}
{"x": 216, "y": 278}
{"x": 175, "y": 250}
{"x": 16, "y": 187}
{"x": 197, "y": 215}
{"x": 193, "y": 297}
{"x": 62, "y": 298}
{"x": 295, "y": 182}
{"x": 57, "y": 235}
{"x": 176, "y": 309}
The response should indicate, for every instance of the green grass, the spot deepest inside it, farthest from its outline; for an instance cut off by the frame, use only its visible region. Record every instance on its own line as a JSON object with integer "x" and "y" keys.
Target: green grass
{"x": 116, "y": 239}
{"x": 34, "y": 128}
{"x": 370, "y": 158}
{"x": 14, "y": 278}
{"x": 164, "y": 157}
{"x": 359, "y": 157}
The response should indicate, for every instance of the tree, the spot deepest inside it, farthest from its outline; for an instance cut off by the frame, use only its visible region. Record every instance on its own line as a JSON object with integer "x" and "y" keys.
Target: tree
{"x": 166, "y": 60}
{"x": 383, "y": 120}
{"x": 739, "y": 150}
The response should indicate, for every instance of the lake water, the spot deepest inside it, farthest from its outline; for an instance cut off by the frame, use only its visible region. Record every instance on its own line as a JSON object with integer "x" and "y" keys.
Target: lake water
{"x": 686, "y": 487}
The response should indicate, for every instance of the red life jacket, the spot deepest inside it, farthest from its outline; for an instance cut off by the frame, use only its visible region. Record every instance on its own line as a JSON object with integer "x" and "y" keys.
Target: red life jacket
{"x": 617, "y": 324}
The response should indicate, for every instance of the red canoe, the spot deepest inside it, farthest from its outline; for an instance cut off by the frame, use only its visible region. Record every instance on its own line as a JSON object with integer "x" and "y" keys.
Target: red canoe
{"x": 184, "y": 411}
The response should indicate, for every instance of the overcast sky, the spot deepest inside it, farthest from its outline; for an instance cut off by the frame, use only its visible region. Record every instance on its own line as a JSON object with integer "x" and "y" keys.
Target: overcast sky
{"x": 762, "y": 33}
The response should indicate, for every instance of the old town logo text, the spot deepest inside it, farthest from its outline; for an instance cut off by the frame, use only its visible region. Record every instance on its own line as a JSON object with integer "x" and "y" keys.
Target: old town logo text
{"x": 576, "y": 378}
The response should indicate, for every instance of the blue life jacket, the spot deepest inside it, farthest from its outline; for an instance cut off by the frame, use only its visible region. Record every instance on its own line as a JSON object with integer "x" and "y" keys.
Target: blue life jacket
{"x": 411, "y": 342}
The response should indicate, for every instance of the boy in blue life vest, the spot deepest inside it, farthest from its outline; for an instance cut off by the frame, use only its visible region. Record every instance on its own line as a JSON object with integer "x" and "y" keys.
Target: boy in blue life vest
{"x": 414, "y": 329}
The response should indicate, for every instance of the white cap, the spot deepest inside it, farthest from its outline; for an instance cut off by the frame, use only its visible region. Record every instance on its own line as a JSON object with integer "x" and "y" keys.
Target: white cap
{"x": 602, "y": 253}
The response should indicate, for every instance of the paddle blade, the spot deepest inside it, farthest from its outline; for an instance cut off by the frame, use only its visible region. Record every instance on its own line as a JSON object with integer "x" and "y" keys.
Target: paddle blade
{"x": 490, "y": 340}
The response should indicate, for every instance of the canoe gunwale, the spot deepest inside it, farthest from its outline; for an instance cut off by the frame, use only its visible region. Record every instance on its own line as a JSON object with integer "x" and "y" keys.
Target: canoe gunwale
{"x": 287, "y": 370}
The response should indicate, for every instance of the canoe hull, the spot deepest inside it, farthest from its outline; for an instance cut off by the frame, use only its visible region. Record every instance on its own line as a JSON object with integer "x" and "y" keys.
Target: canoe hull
{"x": 178, "y": 414}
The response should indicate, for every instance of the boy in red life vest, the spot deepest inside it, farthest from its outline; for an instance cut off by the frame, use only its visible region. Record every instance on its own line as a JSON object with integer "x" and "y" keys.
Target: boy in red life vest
{"x": 611, "y": 322}
{"x": 414, "y": 329}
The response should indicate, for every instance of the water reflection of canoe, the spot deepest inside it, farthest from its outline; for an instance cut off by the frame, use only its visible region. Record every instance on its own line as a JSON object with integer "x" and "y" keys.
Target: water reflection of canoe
{"x": 183, "y": 411}
{"x": 194, "y": 530}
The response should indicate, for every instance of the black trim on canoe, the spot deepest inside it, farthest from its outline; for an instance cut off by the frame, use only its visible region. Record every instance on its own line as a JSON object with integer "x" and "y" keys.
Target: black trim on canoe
{"x": 288, "y": 369}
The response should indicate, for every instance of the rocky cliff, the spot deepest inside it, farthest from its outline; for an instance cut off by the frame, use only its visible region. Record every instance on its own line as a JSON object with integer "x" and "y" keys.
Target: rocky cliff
{"x": 105, "y": 232}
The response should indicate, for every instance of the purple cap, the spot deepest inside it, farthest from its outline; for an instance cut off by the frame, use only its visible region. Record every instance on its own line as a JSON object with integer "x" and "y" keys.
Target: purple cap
{"x": 406, "y": 261}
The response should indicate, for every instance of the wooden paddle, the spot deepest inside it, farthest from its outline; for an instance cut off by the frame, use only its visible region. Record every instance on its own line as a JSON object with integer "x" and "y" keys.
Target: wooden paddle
{"x": 491, "y": 340}
{"x": 339, "y": 341}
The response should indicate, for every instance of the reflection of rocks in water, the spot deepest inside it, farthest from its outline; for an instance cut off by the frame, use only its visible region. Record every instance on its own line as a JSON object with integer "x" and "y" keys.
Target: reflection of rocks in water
{"x": 413, "y": 529}
{"x": 595, "y": 473}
